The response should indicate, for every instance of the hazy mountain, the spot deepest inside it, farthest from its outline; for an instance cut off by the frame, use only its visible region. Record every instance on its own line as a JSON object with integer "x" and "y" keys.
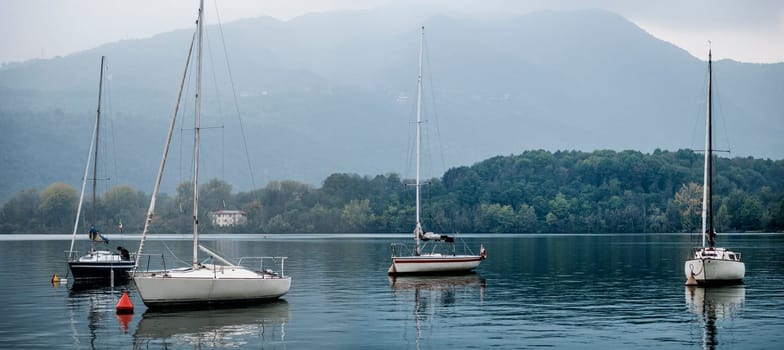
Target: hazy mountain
{"x": 335, "y": 92}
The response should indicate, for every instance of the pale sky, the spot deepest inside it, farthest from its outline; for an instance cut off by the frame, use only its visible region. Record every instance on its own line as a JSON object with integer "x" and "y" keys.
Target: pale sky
{"x": 742, "y": 30}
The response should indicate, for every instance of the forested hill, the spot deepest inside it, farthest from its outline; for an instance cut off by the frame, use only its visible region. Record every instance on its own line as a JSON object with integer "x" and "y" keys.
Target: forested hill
{"x": 536, "y": 191}
{"x": 607, "y": 191}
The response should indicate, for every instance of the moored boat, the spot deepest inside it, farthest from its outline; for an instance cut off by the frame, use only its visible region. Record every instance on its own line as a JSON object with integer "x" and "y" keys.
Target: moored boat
{"x": 419, "y": 262}
{"x": 99, "y": 265}
{"x": 709, "y": 264}
{"x": 203, "y": 284}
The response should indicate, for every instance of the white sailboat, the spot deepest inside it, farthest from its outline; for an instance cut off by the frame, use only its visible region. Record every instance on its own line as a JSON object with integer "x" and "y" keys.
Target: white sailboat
{"x": 203, "y": 283}
{"x": 433, "y": 262}
{"x": 97, "y": 265}
{"x": 709, "y": 264}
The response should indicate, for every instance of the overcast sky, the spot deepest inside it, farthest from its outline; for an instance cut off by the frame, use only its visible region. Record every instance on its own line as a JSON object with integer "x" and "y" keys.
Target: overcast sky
{"x": 743, "y": 30}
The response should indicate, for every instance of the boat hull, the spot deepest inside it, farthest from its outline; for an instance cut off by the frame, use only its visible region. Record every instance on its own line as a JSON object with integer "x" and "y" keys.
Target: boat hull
{"x": 433, "y": 264}
{"x": 99, "y": 271}
{"x": 100, "y": 266}
{"x": 715, "y": 271}
{"x": 207, "y": 286}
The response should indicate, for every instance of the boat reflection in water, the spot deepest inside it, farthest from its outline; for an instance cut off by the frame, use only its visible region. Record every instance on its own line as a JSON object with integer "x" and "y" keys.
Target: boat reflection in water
{"x": 435, "y": 296}
{"x": 438, "y": 283}
{"x": 261, "y": 325}
{"x": 713, "y": 305}
{"x": 101, "y": 302}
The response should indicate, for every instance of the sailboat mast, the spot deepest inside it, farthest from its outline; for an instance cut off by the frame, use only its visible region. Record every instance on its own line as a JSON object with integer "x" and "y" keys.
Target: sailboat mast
{"x": 95, "y": 154}
{"x": 418, "y": 229}
{"x": 156, "y": 188}
{"x": 196, "y": 127}
{"x": 707, "y": 191}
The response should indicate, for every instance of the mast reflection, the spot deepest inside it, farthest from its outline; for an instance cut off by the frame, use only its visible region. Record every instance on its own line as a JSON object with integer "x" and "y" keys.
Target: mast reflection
{"x": 433, "y": 296}
{"x": 713, "y": 305}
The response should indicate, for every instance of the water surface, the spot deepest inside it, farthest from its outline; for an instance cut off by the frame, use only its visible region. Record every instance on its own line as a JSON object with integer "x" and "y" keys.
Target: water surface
{"x": 561, "y": 291}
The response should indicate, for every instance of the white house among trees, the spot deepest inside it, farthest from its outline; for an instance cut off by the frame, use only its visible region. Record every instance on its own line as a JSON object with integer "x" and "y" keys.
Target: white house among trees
{"x": 227, "y": 218}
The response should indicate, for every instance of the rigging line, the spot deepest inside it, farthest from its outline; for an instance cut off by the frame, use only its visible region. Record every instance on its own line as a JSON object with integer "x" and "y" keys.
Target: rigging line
{"x": 173, "y": 254}
{"x": 435, "y": 110}
{"x": 217, "y": 98}
{"x": 410, "y": 134}
{"x": 162, "y": 165}
{"x": 112, "y": 172}
{"x": 236, "y": 101}
{"x": 720, "y": 112}
{"x": 186, "y": 103}
{"x": 697, "y": 109}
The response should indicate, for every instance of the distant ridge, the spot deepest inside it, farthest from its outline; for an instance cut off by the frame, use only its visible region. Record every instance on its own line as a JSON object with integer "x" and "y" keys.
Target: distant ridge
{"x": 319, "y": 98}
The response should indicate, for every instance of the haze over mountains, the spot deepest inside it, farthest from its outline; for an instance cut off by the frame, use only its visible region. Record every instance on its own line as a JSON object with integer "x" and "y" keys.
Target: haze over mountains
{"x": 335, "y": 92}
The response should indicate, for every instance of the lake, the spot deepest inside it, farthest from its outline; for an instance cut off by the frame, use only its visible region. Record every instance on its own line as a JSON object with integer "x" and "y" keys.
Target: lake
{"x": 561, "y": 291}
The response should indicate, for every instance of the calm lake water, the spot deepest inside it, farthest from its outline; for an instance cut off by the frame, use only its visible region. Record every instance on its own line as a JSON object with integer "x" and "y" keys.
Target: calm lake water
{"x": 561, "y": 291}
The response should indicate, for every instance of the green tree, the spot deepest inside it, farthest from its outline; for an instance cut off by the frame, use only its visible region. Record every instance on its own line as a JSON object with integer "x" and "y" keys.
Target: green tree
{"x": 777, "y": 218}
{"x": 750, "y": 214}
{"x": 123, "y": 203}
{"x": 356, "y": 215}
{"x": 723, "y": 218}
{"x": 496, "y": 218}
{"x": 215, "y": 195}
{"x": 528, "y": 222}
{"x": 688, "y": 201}
{"x": 278, "y": 224}
{"x": 560, "y": 207}
{"x": 58, "y": 207}
{"x": 20, "y": 213}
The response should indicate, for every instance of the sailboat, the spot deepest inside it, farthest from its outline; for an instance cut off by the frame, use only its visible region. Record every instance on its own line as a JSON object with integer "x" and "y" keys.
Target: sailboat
{"x": 98, "y": 265}
{"x": 432, "y": 262}
{"x": 203, "y": 283}
{"x": 709, "y": 264}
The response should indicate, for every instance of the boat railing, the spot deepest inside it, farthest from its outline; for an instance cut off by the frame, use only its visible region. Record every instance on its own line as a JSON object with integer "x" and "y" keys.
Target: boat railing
{"x": 71, "y": 255}
{"x": 261, "y": 260}
{"x": 400, "y": 248}
{"x": 147, "y": 262}
{"x": 717, "y": 253}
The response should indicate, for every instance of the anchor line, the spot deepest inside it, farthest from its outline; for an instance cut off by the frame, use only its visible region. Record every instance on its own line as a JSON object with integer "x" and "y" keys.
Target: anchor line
{"x": 691, "y": 267}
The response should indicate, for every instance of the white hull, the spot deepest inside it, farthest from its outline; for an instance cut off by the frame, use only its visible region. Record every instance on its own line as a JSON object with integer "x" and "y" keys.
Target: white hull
{"x": 433, "y": 263}
{"x": 210, "y": 284}
{"x": 714, "y": 270}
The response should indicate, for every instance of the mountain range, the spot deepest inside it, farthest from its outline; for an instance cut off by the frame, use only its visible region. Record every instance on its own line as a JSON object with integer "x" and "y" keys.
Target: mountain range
{"x": 335, "y": 92}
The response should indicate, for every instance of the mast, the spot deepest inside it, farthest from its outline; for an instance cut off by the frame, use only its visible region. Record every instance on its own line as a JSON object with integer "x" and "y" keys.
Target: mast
{"x": 418, "y": 228}
{"x": 158, "y": 177}
{"x": 196, "y": 121}
{"x": 707, "y": 191}
{"x": 84, "y": 185}
{"x": 95, "y": 157}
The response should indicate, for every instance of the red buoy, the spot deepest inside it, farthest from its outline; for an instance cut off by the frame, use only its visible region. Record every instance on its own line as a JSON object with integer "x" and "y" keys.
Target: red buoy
{"x": 124, "y": 306}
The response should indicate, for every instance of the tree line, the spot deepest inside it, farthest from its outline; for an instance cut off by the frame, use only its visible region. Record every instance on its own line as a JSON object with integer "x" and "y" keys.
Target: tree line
{"x": 536, "y": 191}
